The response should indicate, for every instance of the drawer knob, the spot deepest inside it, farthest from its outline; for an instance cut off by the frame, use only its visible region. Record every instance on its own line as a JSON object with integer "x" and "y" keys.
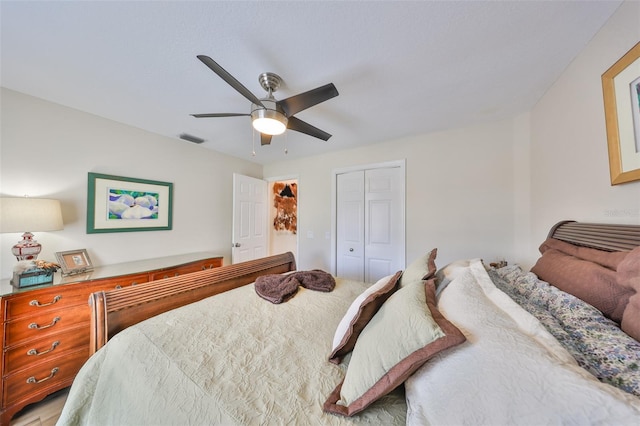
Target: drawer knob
{"x": 36, "y": 353}
{"x": 35, "y": 326}
{"x": 41, "y": 305}
{"x": 32, "y": 379}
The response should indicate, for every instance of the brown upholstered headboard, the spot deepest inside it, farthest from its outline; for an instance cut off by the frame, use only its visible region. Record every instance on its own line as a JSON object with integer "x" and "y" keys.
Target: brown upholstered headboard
{"x": 609, "y": 237}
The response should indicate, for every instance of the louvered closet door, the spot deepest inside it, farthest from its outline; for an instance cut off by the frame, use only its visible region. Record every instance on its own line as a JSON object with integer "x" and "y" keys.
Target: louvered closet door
{"x": 369, "y": 223}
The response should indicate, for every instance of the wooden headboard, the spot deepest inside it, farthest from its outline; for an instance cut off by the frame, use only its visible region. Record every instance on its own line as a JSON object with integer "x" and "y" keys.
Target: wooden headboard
{"x": 603, "y": 236}
{"x": 113, "y": 311}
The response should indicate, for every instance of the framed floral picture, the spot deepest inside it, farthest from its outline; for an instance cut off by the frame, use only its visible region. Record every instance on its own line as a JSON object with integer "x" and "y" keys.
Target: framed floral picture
{"x": 621, "y": 91}
{"x": 124, "y": 204}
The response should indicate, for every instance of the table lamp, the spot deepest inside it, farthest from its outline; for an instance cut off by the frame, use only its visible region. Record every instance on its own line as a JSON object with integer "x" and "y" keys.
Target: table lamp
{"x": 24, "y": 214}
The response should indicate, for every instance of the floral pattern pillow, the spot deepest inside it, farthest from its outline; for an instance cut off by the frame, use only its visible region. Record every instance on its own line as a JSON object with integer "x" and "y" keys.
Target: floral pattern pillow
{"x": 597, "y": 343}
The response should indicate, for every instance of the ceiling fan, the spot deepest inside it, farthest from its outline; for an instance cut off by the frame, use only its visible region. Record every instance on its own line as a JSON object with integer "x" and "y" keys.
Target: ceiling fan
{"x": 268, "y": 115}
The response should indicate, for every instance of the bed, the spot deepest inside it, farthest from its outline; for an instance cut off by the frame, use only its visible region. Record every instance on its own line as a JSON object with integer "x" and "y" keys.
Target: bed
{"x": 461, "y": 344}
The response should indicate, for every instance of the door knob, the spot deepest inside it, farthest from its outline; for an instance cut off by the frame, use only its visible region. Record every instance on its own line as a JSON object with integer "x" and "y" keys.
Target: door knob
{"x": 235, "y": 245}
{"x": 351, "y": 249}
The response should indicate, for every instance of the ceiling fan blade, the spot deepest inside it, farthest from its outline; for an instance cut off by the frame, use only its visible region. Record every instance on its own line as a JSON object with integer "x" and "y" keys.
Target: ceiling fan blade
{"x": 223, "y": 74}
{"x": 297, "y": 103}
{"x": 265, "y": 139}
{"x": 304, "y": 127}
{"x": 221, "y": 114}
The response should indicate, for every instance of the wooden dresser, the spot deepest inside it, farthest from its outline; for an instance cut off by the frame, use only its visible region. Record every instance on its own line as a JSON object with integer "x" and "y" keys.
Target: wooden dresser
{"x": 45, "y": 329}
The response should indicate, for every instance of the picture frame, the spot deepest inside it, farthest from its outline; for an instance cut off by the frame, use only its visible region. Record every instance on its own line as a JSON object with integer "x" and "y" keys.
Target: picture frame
{"x": 621, "y": 92}
{"x": 125, "y": 204}
{"x": 74, "y": 261}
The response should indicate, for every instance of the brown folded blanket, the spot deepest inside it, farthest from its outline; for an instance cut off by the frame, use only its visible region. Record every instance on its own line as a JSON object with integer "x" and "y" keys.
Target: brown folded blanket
{"x": 276, "y": 288}
{"x": 316, "y": 279}
{"x": 280, "y": 288}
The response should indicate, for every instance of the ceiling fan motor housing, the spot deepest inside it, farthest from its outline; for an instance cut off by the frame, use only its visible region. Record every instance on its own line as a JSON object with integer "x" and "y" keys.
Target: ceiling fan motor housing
{"x": 270, "y": 81}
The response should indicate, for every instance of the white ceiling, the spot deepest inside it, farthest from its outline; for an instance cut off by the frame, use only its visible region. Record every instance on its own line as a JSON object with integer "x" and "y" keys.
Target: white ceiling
{"x": 402, "y": 68}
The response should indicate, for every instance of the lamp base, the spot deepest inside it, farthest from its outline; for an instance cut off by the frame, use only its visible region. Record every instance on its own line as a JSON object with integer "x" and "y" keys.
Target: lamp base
{"x": 27, "y": 249}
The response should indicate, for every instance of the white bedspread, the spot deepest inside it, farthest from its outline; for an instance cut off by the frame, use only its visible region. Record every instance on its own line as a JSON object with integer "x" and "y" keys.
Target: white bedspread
{"x": 230, "y": 359}
{"x": 510, "y": 371}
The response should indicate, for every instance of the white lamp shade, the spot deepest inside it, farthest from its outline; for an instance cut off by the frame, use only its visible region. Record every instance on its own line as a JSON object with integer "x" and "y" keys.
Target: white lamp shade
{"x": 24, "y": 214}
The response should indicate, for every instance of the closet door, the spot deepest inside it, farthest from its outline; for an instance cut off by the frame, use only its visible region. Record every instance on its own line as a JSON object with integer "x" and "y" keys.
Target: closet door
{"x": 369, "y": 223}
{"x": 350, "y": 225}
{"x": 383, "y": 223}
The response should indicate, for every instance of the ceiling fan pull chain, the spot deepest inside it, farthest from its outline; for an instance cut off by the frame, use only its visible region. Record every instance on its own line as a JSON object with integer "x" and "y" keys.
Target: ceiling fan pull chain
{"x": 286, "y": 143}
{"x": 253, "y": 142}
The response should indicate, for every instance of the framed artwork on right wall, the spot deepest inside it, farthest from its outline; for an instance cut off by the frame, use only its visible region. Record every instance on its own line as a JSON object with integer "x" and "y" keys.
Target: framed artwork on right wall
{"x": 621, "y": 91}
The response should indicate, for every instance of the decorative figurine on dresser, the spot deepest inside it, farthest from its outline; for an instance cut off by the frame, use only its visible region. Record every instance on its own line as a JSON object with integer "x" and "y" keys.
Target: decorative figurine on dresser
{"x": 28, "y": 273}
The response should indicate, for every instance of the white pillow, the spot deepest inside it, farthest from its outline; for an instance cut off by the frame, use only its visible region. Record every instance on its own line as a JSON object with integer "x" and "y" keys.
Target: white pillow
{"x": 422, "y": 268}
{"x": 362, "y": 309}
{"x": 406, "y": 332}
{"x": 450, "y": 272}
{"x": 510, "y": 370}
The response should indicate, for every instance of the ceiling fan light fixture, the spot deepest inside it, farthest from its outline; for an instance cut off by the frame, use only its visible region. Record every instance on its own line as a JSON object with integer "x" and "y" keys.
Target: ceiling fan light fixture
{"x": 268, "y": 121}
{"x": 270, "y": 116}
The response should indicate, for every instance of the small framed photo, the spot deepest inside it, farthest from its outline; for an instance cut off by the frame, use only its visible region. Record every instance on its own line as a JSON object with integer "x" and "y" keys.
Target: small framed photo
{"x": 74, "y": 261}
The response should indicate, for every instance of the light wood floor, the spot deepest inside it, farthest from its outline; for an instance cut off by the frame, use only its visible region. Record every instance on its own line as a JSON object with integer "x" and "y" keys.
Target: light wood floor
{"x": 43, "y": 413}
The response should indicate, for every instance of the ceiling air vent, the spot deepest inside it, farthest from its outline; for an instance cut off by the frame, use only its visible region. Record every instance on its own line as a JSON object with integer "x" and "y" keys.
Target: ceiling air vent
{"x": 191, "y": 138}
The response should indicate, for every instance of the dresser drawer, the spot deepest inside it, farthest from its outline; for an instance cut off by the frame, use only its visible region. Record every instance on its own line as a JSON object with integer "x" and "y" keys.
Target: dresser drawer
{"x": 42, "y": 350}
{"x": 118, "y": 282}
{"x": 187, "y": 269}
{"x": 46, "y": 324}
{"x": 215, "y": 262}
{"x": 34, "y": 303}
{"x": 44, "y": 375}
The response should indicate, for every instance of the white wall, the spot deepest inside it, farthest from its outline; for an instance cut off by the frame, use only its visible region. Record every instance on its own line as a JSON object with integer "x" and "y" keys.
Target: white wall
{"x": 569, "y": 160}
{"x": 47, "y": 150}
{"x": 460, "y": 193}
{"x": 495, "y": 191}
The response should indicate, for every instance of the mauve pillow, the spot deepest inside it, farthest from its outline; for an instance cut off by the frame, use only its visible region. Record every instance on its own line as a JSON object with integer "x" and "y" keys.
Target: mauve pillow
{"x": 362, "y": 309}
{"x": 587, "y": 280}
{"x": 629, "y": 277}
{"x": 608, "y": 259}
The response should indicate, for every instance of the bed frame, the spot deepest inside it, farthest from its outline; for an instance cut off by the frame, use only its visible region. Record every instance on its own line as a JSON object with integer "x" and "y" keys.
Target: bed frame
{"x": 607, "y": 237}
{"x": 113, "y": 311}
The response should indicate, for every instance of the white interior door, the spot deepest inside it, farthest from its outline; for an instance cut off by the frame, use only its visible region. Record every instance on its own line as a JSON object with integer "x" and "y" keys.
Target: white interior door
{"x": 383, "y": 223}
{"x": 350, "y": 225}
{"x": 249, "y": 218}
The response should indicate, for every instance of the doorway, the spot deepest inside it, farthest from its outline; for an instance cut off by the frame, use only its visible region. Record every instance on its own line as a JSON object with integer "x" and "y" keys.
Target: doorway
{"x": 283, "y": 215}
